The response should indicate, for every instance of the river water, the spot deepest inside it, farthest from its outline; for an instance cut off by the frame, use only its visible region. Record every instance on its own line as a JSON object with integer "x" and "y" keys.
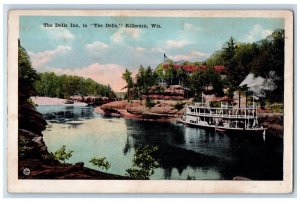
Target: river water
{"x": 183, "y": 151}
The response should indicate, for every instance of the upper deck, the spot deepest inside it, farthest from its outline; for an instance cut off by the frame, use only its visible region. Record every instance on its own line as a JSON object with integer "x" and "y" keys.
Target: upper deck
{"x": 225, "y": 111}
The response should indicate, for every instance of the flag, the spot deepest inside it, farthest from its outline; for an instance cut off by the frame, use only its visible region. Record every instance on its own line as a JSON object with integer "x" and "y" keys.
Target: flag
{"x": 165, "y": 56}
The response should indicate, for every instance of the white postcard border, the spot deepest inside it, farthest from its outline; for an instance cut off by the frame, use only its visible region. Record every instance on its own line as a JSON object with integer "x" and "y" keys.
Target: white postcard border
{"x": 16, "y": 185}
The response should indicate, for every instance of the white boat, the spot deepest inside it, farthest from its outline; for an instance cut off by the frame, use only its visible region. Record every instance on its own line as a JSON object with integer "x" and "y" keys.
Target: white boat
{"x": 223, "y": 118}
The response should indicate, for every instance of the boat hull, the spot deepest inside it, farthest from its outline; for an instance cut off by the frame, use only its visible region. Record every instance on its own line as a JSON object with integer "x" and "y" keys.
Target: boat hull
{"x": 225, "y": 129}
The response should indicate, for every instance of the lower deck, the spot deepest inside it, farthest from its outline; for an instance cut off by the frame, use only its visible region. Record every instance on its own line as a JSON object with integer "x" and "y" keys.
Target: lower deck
{"x": 225, "y": 127}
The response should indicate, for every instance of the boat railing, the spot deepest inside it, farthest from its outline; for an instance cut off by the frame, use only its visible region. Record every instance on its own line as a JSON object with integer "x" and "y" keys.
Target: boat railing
{"x": 226, "y": 106}
{"x": 200, "y": 104}
{"x": 204, "y": 106}
{"x": 215, "y": 115}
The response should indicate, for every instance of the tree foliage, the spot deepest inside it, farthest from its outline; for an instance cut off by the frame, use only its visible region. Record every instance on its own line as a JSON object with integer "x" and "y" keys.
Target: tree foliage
{"x": 64, "y": 86}
{"x": 170, "y": 74}
{"x": 181, "y": 76}
{"x": 128, "y": 78}
{"x": 215, "y": 59}
{"x": 26, "y": 75}
{"x": 200, "y": 80}
{"x": 101, "y": 163}
{"x": 239, "y": 59}
{"x": 149, "y": 102}
{"x": 144, "y": 79}
{"x": 62, "y": 154}
{"x": 260, "y": 58}
{"x": 29, "y": 119}
{"x": 143, "y": 163}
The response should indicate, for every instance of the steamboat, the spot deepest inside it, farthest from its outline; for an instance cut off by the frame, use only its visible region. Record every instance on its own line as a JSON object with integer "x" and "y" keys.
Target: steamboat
{"x": 226, "y": 117}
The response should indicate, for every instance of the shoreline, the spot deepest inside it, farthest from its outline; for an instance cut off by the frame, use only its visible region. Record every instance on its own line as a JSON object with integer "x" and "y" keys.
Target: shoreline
{"x": 54, "y": 101}
{"x": 33, "y": 153}
{"x": 52, "y": 169}
{"x": 126, "y": 115}
{"x": 163, "y": 112}
{"x": 136, "y": 111}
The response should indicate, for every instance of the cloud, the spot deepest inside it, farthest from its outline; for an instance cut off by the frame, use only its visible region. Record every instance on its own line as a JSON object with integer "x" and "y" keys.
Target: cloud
{"x": 96, "y": 46}
{"x": 257, "y": 33}
{"x": 191, "y": 56}
{"x": 176, "y": 43}
{"x": 41, "y": 58}
{"x": 219, "y": 45}
{"x": 122, "y": 33}
{"x": 191, "y": 31}
{"x": 96, "y": 49}
{"x": 59, "y": 33}
{"x": 140, "y": 49}
{"x": 187, "y": 27}
{"x": 156, "y": 50}
{"x": 102, "y": 73}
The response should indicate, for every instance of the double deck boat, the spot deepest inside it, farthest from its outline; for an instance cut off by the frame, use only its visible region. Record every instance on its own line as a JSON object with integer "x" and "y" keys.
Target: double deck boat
{"x": 224, "y": 118}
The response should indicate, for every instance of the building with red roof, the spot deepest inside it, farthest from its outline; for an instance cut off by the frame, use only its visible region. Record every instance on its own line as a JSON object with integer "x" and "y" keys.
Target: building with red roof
{"x": 189, "y": 69}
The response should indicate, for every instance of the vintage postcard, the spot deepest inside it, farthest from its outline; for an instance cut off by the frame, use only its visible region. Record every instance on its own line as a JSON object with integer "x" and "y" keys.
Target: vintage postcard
{"x": 153, "y": 101}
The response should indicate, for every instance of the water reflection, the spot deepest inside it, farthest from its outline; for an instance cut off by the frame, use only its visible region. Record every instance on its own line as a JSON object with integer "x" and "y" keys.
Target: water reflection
{"x": 175, "y": 154}
{"x": 183, "y": 151}
{"x": 227, "y": 155}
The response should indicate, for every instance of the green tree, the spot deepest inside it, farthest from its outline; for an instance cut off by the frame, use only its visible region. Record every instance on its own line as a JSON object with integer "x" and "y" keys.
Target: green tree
{"x": 182, "y": 76}
{"x": 197, "y": 83}
{"x": 197, "y": 63}
{"x": 277, "y": 38}
{"x": 127, "y": 77}
{"x": 62, "y": 155}
{"x": 216, "y": 59}
{"x": 170, "y": 74}
{"x": 264, "y": 58}
{"x": 140, "y": 80}
{"x": 149, "y": 102}
{"x": 29, "y": 119}
{"x": 159, "y": 70}
{"x": 27, "y": 76}
{"x": 48, "y": 84}
{"x": 277, "y": 58}
{"x": 150, "y": 77}
{"x": 211, "y": 77}
{"x": 244, "y": 56}
{"x": 101, "y": 163}
{"x": 64, "y": 86}
{"x": 143, "y": 163}
{"x": 231, "y": 65}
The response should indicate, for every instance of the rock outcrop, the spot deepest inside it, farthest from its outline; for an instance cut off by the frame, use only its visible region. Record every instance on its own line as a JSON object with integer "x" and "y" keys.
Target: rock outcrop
{"x": 274, "y": 123}
{"x": 162, "y": 92}
{"x": 164, "y": 110}
{"x": 92, "y": 100}
{"x": 34, "y": 156}
{"x": 34, "y": 160}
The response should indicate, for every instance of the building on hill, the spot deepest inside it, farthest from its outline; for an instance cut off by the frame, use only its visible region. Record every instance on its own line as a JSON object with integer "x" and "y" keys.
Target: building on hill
{"x": 170, "y": 71}
{"x": 163, "y": 92}
{"x": 189, "y": 69}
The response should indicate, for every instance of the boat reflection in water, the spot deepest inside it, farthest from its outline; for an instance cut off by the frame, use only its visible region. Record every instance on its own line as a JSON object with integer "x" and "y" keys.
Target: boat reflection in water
{"x": 183, "y": 151}
{"x": 207, "y": 154}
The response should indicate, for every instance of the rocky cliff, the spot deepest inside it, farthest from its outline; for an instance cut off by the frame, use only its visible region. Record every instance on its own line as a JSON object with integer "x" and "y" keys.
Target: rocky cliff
{"x": 34, "y": 160}
{"x": 163, "y": 110}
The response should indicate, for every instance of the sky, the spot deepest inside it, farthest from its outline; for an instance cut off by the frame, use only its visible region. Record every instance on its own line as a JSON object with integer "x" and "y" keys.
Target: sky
{"x": 103, "y": 53}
